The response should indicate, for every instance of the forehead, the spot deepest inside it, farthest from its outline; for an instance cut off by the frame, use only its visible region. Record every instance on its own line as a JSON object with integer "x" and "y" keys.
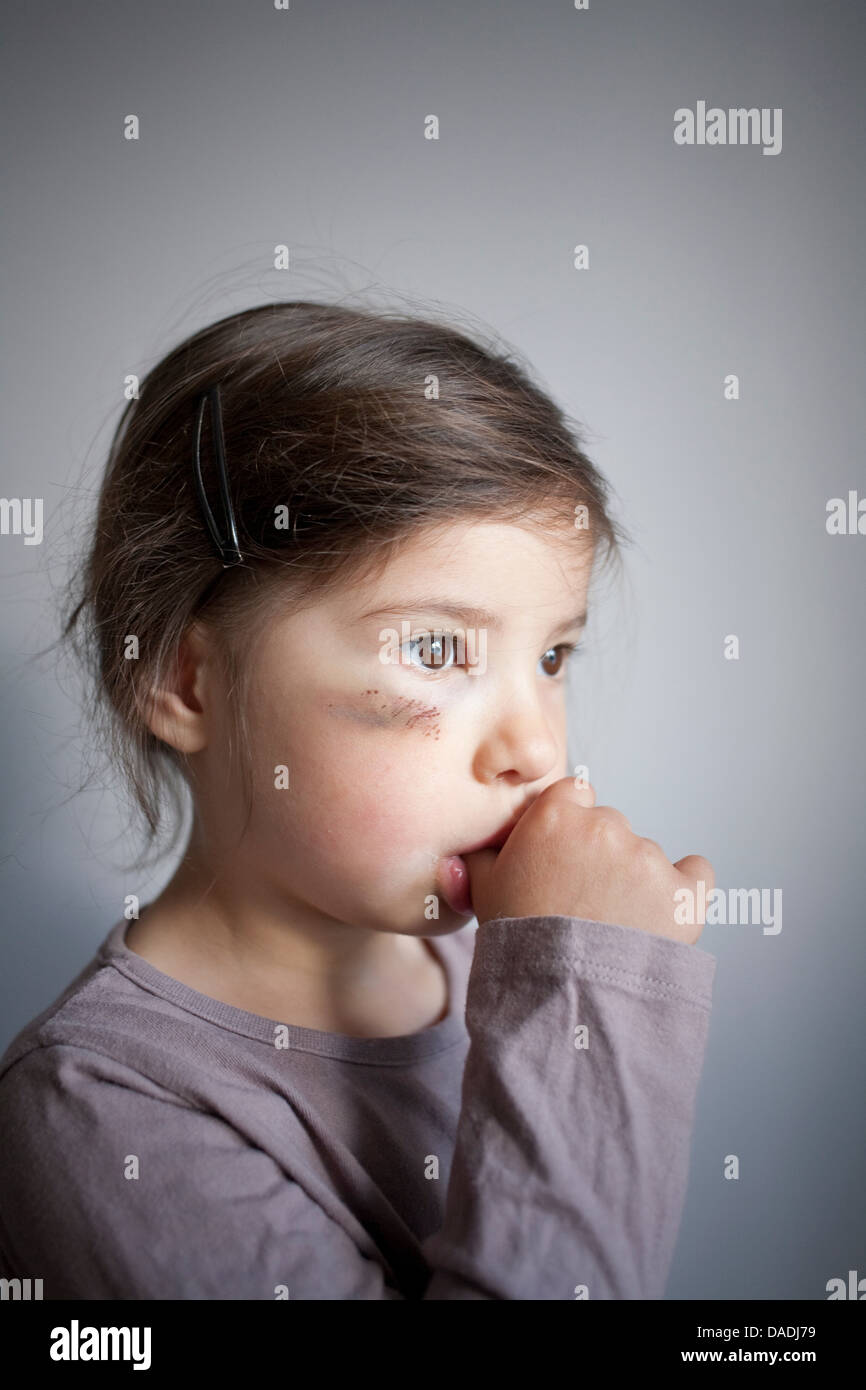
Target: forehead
{"x": 500, "y": 567}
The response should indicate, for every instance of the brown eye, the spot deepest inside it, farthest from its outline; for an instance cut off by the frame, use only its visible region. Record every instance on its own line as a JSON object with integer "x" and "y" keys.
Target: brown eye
{"x": 433, "y": 650}
{"x": 559, "y": 655}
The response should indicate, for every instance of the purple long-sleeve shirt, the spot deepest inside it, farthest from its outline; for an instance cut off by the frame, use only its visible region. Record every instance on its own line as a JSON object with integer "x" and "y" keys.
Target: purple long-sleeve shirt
{"x": 534, "y": 1144}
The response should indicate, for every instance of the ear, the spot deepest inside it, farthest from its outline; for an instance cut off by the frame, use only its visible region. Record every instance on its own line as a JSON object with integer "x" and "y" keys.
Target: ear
{"x": 178, "y": 708}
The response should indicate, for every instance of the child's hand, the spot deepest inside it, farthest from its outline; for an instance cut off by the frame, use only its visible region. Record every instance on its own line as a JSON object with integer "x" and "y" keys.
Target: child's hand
{"x": 568, "y": 857}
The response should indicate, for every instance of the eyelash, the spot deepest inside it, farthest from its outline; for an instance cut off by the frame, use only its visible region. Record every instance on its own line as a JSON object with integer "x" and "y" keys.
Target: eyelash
{"x": 568, "y": 649}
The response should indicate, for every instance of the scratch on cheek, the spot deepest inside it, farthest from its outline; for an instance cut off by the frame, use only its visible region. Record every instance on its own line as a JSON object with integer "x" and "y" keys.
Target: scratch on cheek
{"x": 361, "y": 716}
{"x": 382, "y": 711}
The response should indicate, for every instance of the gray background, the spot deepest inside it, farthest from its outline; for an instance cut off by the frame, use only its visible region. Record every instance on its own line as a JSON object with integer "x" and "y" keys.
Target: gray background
{"x": 306, "y": 127}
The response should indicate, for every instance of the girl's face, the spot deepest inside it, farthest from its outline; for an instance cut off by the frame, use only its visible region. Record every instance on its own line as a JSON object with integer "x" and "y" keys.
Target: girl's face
{"x": 401, "y": 750}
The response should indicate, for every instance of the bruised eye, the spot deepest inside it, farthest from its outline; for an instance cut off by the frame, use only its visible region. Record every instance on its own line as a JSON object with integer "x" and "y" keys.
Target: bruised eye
{"x": 559, "y": 655}
{"x": 434, "y": 650}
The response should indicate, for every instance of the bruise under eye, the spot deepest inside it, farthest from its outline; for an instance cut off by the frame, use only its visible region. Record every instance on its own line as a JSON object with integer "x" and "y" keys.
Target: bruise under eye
{"x": 385, "y": 711}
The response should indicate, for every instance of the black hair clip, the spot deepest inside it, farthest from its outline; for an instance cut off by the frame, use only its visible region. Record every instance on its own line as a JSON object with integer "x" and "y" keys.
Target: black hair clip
{"x": 226, "y": 545}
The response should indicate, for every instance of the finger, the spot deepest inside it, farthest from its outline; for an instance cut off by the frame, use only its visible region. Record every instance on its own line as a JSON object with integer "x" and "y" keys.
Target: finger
{"x": 479, "y": 866}
{"x": 695, "y": 867}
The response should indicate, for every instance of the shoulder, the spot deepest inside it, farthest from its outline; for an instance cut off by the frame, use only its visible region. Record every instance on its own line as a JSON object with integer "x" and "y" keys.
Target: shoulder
{"x": 103, "y": 1029}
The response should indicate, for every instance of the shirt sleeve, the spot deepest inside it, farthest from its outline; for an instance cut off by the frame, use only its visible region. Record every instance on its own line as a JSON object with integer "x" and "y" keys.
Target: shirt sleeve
{"x": 567, "y": 1180}
{"x": 572, "y": 1156}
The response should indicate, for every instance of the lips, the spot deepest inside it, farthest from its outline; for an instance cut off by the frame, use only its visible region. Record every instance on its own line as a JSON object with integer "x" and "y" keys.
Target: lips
{"x": 455, "y": 885}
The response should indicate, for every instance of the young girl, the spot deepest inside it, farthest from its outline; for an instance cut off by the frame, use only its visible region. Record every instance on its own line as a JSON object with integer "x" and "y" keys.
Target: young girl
{"x": 339, "y": 565}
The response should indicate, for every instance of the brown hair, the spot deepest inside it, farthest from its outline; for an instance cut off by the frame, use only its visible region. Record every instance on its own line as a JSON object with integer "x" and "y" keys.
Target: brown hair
{"x": 367, "y": 425}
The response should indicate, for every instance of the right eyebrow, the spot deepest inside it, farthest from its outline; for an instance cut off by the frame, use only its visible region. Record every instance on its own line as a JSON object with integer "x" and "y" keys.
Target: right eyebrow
{"x": 468, "y": 613}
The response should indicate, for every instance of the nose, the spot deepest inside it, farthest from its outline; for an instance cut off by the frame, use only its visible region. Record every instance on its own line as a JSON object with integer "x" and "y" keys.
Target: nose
{"x": 521, "y": 743}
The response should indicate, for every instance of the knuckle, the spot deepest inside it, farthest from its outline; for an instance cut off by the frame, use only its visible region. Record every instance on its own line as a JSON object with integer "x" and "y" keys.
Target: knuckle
{"x": 702, "y": 869}
{"x": 649, "y": 854}
{"x": 614, "y": 817}
{"x": 607, "y": 828}
{"x": 559, "y": 795}
{"x": 708, "y": 873}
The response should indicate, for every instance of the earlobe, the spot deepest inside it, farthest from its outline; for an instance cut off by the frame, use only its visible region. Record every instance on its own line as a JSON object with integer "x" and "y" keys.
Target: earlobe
{"x": 173, "y": 721}
{"x": 177, "y": 714}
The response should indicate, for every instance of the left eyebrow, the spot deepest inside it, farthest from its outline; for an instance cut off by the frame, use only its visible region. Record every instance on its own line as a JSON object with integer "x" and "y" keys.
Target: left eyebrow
{"x": 467, "y": 613}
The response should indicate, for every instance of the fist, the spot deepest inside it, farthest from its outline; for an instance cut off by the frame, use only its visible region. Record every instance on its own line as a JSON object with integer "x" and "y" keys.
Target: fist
{"x": 568, "y": 857}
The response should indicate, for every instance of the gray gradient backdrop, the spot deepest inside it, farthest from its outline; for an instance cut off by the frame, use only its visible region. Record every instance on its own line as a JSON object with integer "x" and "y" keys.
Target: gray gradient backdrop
{"x": 306, "y": 127}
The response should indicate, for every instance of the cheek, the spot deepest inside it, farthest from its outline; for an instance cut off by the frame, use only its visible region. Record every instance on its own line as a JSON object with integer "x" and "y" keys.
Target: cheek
{"x": 362, "y": 777}
{"x": 378, "y": 709}
{"x": 365, "y": 790}
{"x": 373, "y": 828}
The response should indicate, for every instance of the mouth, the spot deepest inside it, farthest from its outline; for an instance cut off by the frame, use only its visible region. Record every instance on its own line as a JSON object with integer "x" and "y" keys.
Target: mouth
{"x": 455, "y": 874}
